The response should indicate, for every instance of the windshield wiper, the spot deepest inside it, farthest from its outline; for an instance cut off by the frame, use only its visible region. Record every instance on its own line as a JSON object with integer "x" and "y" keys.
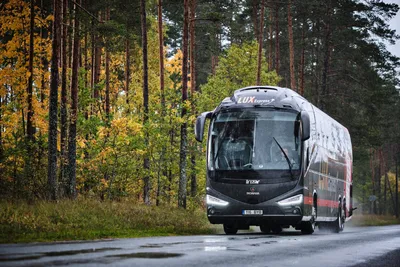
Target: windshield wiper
{"x": 286, "y": 157}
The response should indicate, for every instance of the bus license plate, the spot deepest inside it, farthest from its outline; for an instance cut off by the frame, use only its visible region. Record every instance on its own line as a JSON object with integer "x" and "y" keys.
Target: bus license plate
{"x": 252, "y": 212}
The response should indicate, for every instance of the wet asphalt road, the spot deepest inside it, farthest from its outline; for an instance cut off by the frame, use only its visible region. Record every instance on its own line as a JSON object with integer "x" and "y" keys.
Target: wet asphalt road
{"x": 367, "y": 246}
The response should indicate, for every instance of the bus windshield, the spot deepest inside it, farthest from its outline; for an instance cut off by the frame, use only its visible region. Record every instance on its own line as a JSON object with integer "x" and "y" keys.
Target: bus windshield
{"x": 254, "y": 139}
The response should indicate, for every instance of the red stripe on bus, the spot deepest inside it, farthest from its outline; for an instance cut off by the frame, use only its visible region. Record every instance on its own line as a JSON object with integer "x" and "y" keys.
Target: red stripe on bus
{"x": 321, "y": 202}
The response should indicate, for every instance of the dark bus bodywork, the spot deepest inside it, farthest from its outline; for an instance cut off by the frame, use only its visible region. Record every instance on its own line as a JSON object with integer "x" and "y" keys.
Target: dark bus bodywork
{"x": 274, "y": 160}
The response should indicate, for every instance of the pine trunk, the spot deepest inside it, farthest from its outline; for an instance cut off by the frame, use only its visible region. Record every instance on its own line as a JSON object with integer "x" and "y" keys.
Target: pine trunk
{"x": 302, "y": 61}
{"x": 291, "y": 48}
{"x": 192, "y": 46}
{"x": 63, "y": 105}
{"x": 97, "y": 64}
{"x": 127, "y": 70}
{"x": 1, "y": 137}
{"x": 29, "y": 119}
{"x": 192, "y": 15}
{"x": 260, "y": 43}
{"x": 327, "y": 53}
{"x": 163, "y": 111}
{"x": 161, "y": 53}
{"x": 183, "y": 144}
{"x": 277, "y": 58}
{"x": 146, "y": 163}
{"x": 30, "y": 130}
{"x": 270, "y": 67}
{"x": 74, "y": 109}
{"x": 53, "y": 103}
{"x": 107, "y": 98}
{"x": 397, "y": 187}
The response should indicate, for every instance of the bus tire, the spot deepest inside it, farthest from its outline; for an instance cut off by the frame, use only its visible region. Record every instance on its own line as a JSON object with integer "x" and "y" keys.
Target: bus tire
{"x": 307, "y": 228}
{"x": 339, "y": 222}
{"x": 265, "y": 229}
{"x": 276, "y": 229}
{"x": 230, "y": 229}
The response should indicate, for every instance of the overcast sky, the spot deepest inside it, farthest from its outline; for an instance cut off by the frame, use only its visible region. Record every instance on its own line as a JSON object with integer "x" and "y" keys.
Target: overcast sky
{"x": 395, "y": 24}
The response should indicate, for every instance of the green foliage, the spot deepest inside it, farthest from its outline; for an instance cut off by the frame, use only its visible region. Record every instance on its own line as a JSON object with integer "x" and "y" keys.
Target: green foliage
{"x": 92, "y": 219}
{"x": 373, "y": 220}
{"x": 236, "y": 69}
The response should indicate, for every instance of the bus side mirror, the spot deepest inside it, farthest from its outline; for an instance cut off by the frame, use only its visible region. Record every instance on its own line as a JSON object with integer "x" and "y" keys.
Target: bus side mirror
{"x": 199, "y": 126}
{"x": 305, "y": 119}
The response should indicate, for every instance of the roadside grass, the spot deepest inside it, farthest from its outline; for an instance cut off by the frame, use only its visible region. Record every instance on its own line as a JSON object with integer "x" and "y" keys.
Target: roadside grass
{"x": 85, "y": 219}
{"x": 373, "y": 220}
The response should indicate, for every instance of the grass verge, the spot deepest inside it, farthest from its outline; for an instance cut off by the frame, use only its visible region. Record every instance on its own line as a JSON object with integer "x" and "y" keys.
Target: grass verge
{"x": 85, "y": 219}
{"x": 373, "y": 220}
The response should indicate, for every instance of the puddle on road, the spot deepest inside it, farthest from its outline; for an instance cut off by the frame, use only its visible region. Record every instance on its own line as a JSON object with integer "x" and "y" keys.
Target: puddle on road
{"x": 207, "y": 240}
{"x": 269, "y": 242}
{"x": 148, "y": 255}
{"x": 151, "y": 246}
{"x": 215, "y": 248}
{"x": 35, "y": 256}
{"x": 160, "y": 245}
{"x": 250, "y": 237}
{"x": 24, "y": 258}
{"x": 262, "y": 243}
{"x": 220, "y": 248}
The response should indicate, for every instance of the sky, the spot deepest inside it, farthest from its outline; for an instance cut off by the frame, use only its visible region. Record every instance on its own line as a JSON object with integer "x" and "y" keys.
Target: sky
{"x": 395, "y": 24}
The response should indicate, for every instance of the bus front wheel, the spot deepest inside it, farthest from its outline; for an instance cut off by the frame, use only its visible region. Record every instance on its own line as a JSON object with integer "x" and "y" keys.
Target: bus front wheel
{"x": 276, "y": 229}
{"x": 230, "y": 229}
{"x": 266, "y": 229}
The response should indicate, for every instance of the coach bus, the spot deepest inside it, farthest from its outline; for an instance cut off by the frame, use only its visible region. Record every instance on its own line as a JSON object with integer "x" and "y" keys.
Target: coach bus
{"x": 274, "y": 160}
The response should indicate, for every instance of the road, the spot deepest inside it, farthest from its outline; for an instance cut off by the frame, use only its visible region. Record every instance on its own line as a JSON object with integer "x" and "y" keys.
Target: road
{"x": 356, "y": 246}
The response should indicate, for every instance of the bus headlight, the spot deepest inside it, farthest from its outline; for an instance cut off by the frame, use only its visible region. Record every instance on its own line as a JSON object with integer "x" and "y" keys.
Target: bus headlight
{"x": 215, "y": 201}
{"x": 291, "y": 201}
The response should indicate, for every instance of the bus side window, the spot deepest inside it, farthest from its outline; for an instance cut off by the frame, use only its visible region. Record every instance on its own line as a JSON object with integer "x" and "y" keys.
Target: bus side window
{"x": 307, "y": 157}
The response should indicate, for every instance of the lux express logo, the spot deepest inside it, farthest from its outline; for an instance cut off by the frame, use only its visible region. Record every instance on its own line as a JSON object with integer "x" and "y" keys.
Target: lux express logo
{"x": 253, "y": 100}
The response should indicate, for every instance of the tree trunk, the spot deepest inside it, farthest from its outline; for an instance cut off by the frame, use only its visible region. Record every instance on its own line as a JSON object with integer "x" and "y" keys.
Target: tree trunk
{"x": 384, "y": 195}
{"x": 107, "y": 100}
{"x": 183, "y": 145}
{"x": 63, "y": 105}
{"x": 397, "y": 188}
{"x": 161, "y": 60}
{"x": 302, "y": 61}
{"x": 161, "y": 53}
{"x": 270, "y": 67}
{"x": 291, "y": 48}
{"x": 260, "y": 43}
{"x": 192, "y": 46}
{"x": 74, "y": 109}
{"x": 97, "y": 65}
{"x": 277, "y": 58}
{"x": 192, "y": 16}
{"x": 53, "y": 104}
{"x": 146, "y": 163}
{"x": 92, "y": 59}
{"x": 316, "y": 58}
{"x": 30, "y": 130}
{"x": 1, "y": 131}
{"x": 127, "y": 69}
{"x": 327, "y": 53}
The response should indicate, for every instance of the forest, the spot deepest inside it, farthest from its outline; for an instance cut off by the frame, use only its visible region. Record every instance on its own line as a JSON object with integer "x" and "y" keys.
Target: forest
{"x": 99, "y": 98}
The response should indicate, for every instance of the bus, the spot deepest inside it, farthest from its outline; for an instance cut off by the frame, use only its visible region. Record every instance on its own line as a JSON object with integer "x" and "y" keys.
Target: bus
{"x": 274, "y": 160}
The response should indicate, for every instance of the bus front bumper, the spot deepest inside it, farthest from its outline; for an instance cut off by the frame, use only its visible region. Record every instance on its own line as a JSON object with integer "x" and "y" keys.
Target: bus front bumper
{"x": 240, "y": 213}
